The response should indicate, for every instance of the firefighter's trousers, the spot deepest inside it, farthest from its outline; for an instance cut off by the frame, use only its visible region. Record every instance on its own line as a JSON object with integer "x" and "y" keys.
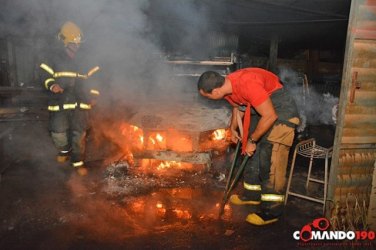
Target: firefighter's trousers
{"x": 265, "y": 173}
{"x": 68, "y": 130}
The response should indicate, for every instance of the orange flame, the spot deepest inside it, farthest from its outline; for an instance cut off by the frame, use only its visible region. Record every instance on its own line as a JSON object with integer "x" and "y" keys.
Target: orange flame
{"x": 219, "y": 134}
{"x": 182, "y": 214}
{"x": 159, "y": 137}
{"x": 152, "y": 140}
{"x": 159, "y": 205}
{"x": 168, "y": 164}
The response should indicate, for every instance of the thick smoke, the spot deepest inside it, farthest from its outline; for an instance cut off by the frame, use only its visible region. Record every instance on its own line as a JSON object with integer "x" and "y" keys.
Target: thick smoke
{"x": 128, "y": 39}
{"x": 314, "y": 108}
{"x": 123, "y": 38}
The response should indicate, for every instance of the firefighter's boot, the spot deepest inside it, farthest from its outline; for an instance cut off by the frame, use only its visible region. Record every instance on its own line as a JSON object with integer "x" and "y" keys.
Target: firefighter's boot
{"x": 80, "y": 167}
{"x": 250, "y": 196}
{"x": 261, "y": 219}
{"x": 241, "y": 200}
{"x": 82, "y": 171}
{"x": 63, "y": 156}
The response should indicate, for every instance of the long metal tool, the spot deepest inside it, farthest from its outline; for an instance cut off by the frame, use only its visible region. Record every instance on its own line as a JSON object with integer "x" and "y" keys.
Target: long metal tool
{"x": 233, "y": 164}
{"x": 236, "y": 154}
{"x": 229, "y": 186}
{"x": 234, "y": 181}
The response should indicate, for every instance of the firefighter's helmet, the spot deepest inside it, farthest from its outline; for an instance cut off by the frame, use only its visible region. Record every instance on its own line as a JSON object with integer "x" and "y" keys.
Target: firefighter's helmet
{"x": 70, "y": 33}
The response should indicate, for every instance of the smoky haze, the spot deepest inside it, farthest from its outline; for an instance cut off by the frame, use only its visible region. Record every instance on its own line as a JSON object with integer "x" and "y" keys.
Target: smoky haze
{"x": 128, "y": 39}
{"x": 121, "y": 39}
{"x": 314, "y": 108}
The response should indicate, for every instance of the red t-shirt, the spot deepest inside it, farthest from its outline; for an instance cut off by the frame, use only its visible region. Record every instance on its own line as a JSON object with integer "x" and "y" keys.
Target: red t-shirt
{"x": 252, "y": 86}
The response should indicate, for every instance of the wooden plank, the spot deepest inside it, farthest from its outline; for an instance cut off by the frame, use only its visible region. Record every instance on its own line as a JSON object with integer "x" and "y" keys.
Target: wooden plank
{"x": 365, "y": 45}
{"x": 362, "y": 193}
{"x": 364, "y": 62}
{"x": 364, "y": 54}
{"x": 192, "y": 157}
{"x": 363, "y": 131}
{"x": 11, "y": 63}
{"x": 361, "y": 110}
{"x": 371, "y": 217}
{"x": 273, "y": 53}
{"x": 359, "y": 120}
{"x": 365, "y": 74}
{"x": 367, "y": 12}
{"x": 358, "y": 140}
{"x": 357, "y": 159}
{"x": 364, "y": 97}
{"x": 360, "y": 171}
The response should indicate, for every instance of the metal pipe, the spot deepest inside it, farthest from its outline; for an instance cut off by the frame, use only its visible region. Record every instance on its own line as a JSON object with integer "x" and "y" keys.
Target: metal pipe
{"x": 234, "y": 181}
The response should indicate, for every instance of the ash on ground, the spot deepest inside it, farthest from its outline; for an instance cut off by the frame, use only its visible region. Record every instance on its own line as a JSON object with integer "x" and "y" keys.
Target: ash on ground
{"x": 121, "y": 179}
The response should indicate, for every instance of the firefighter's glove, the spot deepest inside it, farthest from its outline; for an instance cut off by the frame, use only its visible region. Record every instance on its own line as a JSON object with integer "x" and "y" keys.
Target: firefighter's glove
{"x": 56, "y": 88}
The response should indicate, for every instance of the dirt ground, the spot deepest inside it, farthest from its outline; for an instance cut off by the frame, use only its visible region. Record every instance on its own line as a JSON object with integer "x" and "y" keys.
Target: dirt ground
{"x": 46, "y": 205}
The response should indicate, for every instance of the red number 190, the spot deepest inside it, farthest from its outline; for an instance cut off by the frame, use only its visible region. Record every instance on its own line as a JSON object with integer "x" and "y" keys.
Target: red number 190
{"x": 364, "y": 235}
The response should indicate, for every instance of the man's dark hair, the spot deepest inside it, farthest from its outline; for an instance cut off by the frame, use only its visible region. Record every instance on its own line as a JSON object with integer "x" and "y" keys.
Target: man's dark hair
{"x": 210, "y": 80}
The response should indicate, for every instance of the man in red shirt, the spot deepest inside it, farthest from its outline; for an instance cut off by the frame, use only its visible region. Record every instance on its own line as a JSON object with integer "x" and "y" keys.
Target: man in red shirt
{"x": 269, "y": 142}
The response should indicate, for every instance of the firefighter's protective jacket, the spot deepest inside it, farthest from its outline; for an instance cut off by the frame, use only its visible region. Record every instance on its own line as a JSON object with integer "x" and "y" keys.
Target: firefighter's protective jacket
{"x": 73, "y": 78}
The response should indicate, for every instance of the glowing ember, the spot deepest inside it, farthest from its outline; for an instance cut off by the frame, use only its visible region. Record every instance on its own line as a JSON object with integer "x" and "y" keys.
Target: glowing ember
{"x": 168, "y": 164}
{"x": 152, "y": 140}
{"x": 156, "y": 142}
{"x": 133, "y": 135}
{"x": 134, "y": 128}
{"x": 159, "y": 137}
{"x": 159, "y": 205}
{"x": 182, "y": 214}
{"x": 219, "y": 134}
{"x": 138, "y": 206}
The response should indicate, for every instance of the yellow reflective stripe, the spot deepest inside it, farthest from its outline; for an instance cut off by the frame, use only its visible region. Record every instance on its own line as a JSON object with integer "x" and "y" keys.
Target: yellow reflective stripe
{"x": 65, "y": 106}
{"x": 252, "y": 187}
{"x": 85, "y": 106}
{"x": 93, "y": 70}
{"x": 65, "y": 74}
{"x": 46, "y": 82}
{"x": 70, "y": 106}
{"x": 272, "y": 197}
{"x": 82, "y": 76}
{"x": 47, "y": 68}
{"x": 78, "y": 164}
{"x": 54, "y": 108}
{"x": 94, "y": 92}
{"x": 74, "y": 74}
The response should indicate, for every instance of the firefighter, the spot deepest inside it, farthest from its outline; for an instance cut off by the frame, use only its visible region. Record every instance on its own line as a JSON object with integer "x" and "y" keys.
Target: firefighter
{"x": 70, "y": 96}
{"x": 268, "y": 144}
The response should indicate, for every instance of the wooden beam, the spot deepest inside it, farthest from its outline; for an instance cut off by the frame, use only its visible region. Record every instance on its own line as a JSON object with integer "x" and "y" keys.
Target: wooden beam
{"x": 192, "y": 157}
{"x": 273, "y": 53}
{"x": 11, "y": 64}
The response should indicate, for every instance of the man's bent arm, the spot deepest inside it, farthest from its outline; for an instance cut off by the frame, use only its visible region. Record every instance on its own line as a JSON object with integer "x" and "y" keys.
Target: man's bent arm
{"x": 268, "y": 117}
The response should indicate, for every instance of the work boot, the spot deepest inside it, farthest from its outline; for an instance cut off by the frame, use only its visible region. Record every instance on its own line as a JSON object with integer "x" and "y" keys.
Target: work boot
{"x": 80, "y": 167}
{"x": 241, "y": 200}
{"x": 260, "y": 219}
{"x": 63, "y": 156}
{"x": 82, "y": 171}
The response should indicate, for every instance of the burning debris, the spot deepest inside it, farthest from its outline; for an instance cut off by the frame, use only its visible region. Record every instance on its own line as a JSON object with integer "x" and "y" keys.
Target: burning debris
{"x": 164, "y": 190}
{"x": 121, "y": 179}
